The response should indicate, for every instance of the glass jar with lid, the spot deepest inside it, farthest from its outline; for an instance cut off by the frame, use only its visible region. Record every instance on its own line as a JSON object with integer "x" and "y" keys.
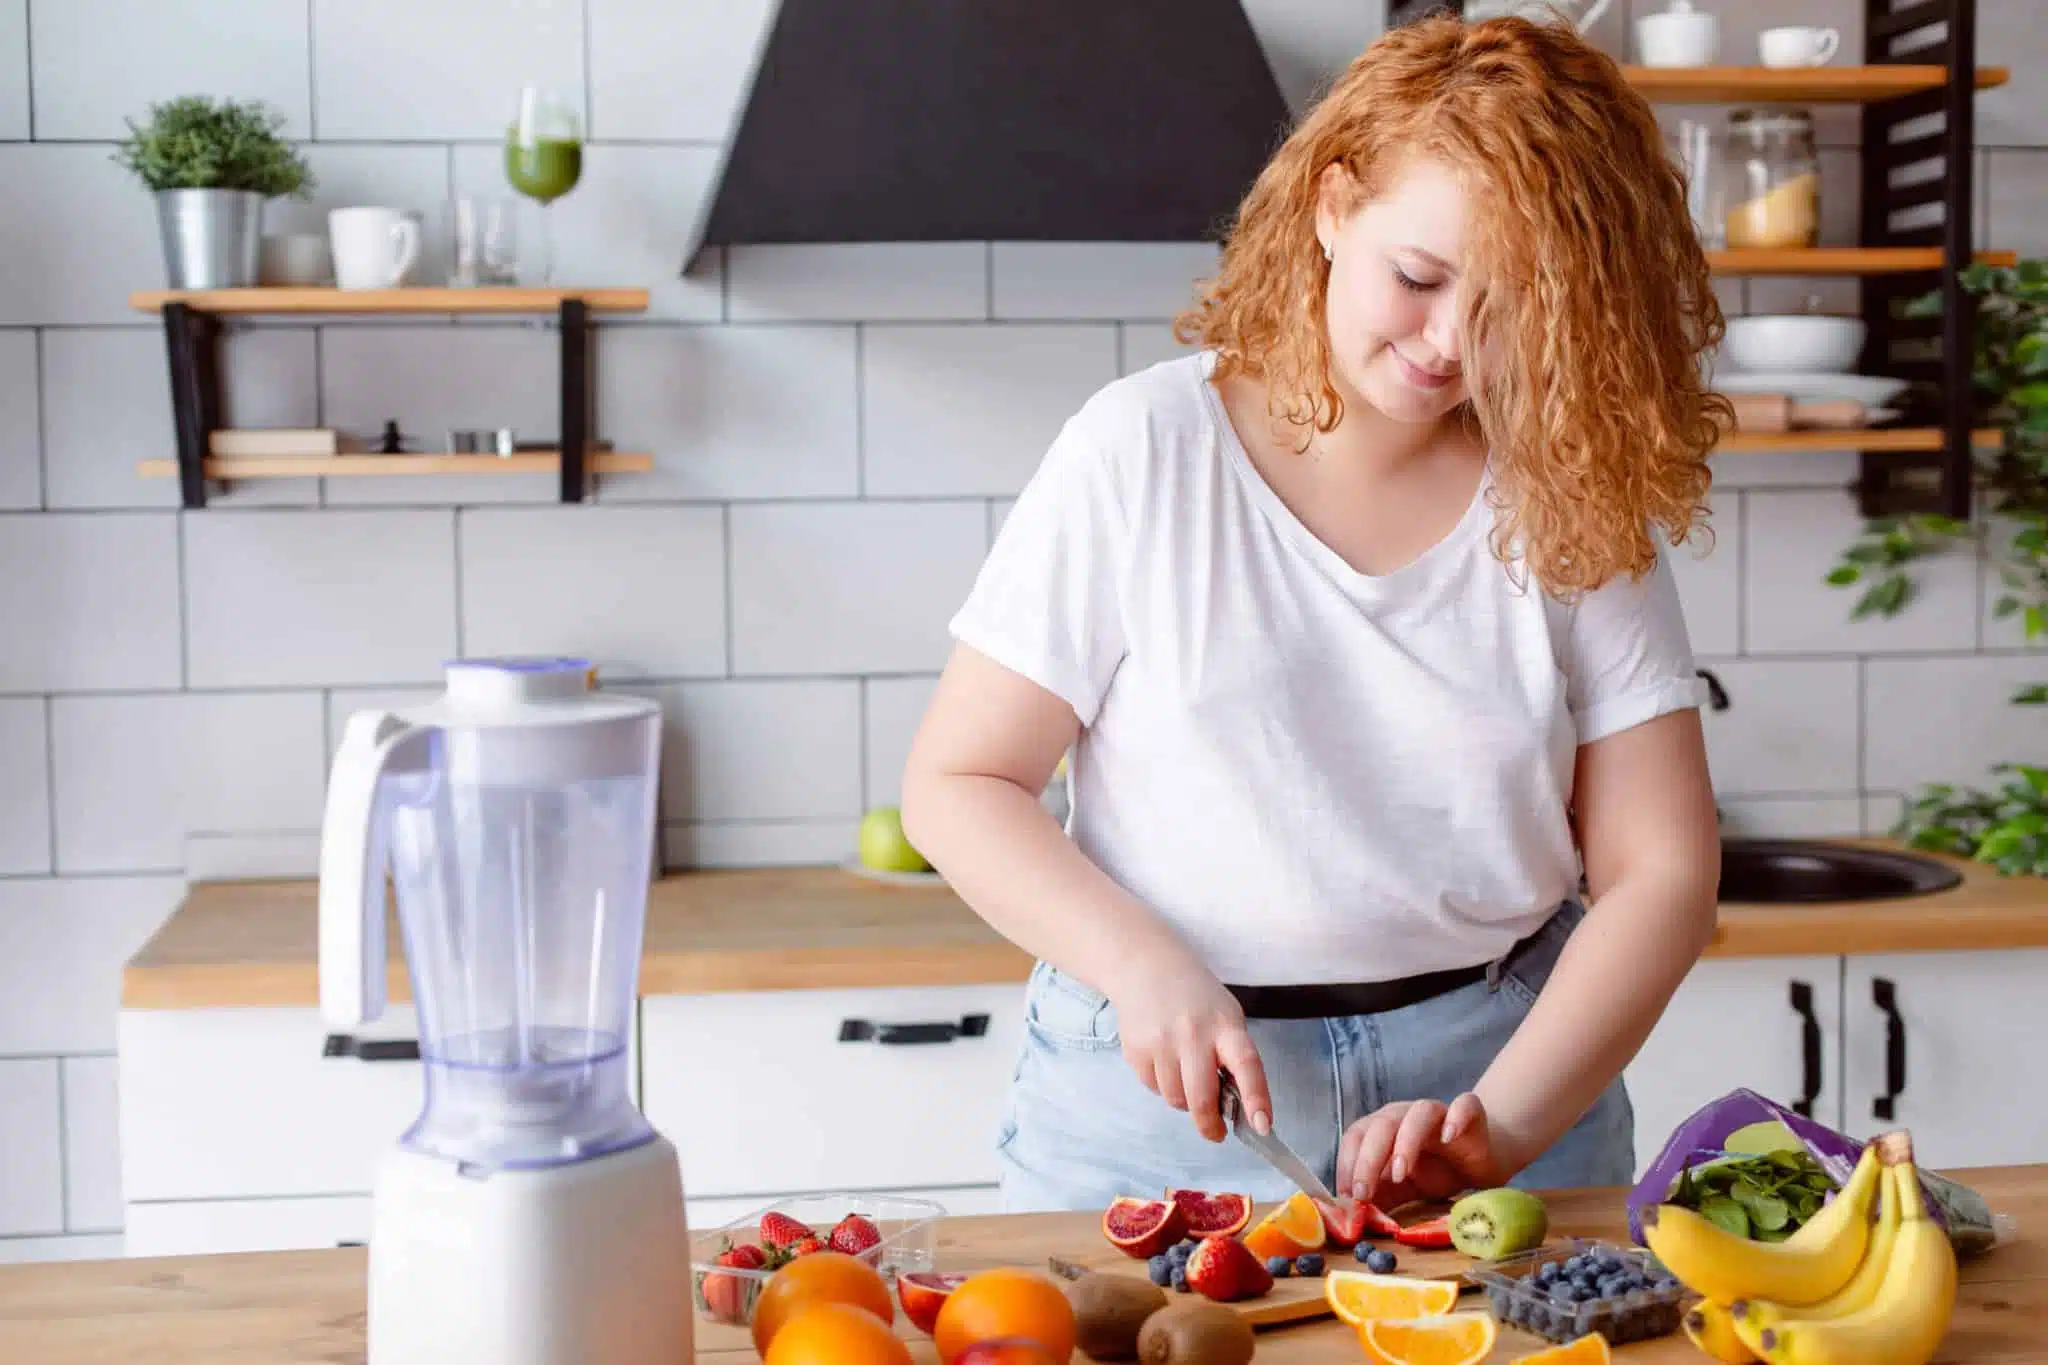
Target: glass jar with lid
{"x": 1770, "y": 179}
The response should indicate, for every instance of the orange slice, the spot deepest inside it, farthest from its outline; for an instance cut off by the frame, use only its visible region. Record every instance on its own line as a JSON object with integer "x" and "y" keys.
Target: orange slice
{"x": 1590, "y": 1349}
{"x": 1446, "y": 1339}
{"x": 1288, "y": 1229}
{"x": 1358, "y": 1296}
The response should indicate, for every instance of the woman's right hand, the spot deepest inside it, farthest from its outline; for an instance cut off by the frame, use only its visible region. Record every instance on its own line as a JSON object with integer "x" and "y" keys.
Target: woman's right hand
{"x": 1179, "y": 1026}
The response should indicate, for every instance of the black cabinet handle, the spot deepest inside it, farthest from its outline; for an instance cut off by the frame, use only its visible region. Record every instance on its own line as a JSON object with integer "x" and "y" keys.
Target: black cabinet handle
{"x": 350, "y": 1244}
{"x": 1809, "y": 1049}
{"x": 1886, "y": 997}
{"x": 938, "y": 1031}
{"x": 371, "y": 1049}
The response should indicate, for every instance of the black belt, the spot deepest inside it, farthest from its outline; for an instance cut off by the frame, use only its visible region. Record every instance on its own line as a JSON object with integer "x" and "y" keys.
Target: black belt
{"x": 1340, "y": 999}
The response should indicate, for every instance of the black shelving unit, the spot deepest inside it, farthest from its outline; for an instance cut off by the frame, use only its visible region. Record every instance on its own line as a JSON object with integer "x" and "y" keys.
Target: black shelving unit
{"x": 1934, "y": 132}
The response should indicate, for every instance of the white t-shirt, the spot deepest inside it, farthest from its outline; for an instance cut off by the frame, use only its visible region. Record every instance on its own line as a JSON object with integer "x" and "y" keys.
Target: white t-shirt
{"x": 1313, "y": 774}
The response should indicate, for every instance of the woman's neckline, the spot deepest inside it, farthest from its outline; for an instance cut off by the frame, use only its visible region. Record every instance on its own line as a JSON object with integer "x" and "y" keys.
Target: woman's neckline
{"x": 1418, "y": 571}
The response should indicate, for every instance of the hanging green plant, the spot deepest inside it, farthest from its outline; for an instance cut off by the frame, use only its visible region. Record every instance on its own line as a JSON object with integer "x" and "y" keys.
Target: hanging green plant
{"x": 2006, "y": 827}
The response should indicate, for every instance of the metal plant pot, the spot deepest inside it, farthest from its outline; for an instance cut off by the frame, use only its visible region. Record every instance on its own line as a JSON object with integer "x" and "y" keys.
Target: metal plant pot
{"x": 212, "y": 238}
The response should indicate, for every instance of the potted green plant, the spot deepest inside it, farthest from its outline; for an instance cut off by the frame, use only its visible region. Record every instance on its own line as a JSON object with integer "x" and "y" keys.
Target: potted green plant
{"x": 2006, "y": 826}
{"x": 212, "y": 164}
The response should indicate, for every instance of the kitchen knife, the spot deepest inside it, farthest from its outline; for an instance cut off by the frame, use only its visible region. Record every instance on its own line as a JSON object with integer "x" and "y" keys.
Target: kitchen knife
{"x": 1276, "y": 1153}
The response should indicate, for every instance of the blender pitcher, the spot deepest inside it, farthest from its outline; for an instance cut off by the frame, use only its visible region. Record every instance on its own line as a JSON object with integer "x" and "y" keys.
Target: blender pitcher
{"x": 530, "y": 1215}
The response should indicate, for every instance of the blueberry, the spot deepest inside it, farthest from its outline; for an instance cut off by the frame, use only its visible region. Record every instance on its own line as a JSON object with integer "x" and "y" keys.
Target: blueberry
{"x": 1279, "y": 1266}
{"x": 1364, "y": 1251}
{"x": 1546, "y": 1273}
{"x": 1310, "y": 1263}
{"x": 1180, "y": 1278}
{"x": 1664, "y": 1284}
{"x": 1160, "y": 1269}
{"x": 1564, "y": 1296}
{"x": 1380, "y": 1261}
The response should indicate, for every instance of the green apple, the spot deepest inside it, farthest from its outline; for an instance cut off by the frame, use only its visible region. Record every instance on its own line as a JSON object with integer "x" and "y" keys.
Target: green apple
{"x": 882, "y": 845}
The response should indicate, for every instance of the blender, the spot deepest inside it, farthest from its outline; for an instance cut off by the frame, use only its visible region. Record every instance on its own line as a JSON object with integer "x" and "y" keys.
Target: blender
{"x": 530, "y": 1215}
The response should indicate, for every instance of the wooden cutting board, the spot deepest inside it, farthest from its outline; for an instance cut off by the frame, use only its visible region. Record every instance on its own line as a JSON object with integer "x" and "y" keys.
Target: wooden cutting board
{"x": 1291, "y": 1299}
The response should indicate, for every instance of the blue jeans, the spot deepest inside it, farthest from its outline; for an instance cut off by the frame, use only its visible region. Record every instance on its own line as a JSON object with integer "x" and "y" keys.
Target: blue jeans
{"x": 1080, "y": 1127}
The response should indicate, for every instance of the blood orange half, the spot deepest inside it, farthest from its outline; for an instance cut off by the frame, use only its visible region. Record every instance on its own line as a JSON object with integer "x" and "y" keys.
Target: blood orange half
{"x": 1142, "y": 1228}
{"x": 923, "y": 1293}
{"x": 1212, "y": 1215}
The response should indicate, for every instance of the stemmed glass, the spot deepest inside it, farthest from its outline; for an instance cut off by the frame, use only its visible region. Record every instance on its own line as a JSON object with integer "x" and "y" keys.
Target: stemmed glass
{"x": 544, "y": 159}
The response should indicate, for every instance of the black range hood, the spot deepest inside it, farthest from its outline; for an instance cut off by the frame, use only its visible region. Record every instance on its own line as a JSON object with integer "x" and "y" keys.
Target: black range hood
{"x": 998, "y": 120}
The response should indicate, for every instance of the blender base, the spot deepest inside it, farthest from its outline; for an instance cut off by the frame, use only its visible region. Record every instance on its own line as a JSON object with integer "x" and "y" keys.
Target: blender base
{"x": 584, "y": 1264}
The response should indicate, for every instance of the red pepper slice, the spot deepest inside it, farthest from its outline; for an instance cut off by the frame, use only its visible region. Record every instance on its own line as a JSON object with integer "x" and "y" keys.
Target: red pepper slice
{"x": 1434, "y": 1234}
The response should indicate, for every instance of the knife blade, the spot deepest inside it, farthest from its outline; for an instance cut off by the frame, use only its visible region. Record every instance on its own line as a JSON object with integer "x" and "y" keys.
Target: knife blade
{"x": 1270, "y": 1148}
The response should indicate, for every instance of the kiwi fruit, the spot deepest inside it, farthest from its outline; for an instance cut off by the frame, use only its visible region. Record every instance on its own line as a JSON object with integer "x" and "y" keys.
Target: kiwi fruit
{"x": 1495, "y": 1223}
{"x": 1197, "y": 1332}
{"x": 1109, "y": 1310}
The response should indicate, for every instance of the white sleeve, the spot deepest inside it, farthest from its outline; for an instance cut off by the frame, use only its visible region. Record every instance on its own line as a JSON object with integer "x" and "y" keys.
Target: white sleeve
{"x": 1045, "y": 603}
{"x": 1627, "y": 656}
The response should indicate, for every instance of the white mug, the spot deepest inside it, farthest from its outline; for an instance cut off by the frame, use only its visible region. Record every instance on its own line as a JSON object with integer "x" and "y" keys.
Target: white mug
{"x": 294, "y": 258}
{"x": 1679, "y": 36}
{"x": 1797, "y": 45}
{"x": 374, "y": 248}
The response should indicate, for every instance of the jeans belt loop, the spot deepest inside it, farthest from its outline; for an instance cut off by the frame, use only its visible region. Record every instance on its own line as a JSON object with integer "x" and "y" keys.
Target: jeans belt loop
{"x": 1494, "y": 969}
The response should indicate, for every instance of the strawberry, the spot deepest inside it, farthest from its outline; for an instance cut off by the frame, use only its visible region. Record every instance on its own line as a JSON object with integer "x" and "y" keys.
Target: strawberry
{"x": 1344, "y": 1222}
{"x": 1378, "y": 1224}
{"x": 804, "y": 1246}
{"x": 727, "y": 1298}
{"x": 779, "y": 1230}
{"x": 854, "y": 1234}
{"x": 1223, "y": 1268}
{"x": 1434, "y": 1233}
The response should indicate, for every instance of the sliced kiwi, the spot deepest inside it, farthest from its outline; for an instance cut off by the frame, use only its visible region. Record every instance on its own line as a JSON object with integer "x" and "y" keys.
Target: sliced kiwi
{"x": 1496, "y": 1223}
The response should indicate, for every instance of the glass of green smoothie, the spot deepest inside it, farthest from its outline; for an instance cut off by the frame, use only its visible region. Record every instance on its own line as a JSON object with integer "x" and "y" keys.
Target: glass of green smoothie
{"x": 544, "y": 159}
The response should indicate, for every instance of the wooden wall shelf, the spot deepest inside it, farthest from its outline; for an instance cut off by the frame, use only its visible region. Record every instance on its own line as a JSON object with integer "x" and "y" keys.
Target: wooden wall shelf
{"x": 1819, "y": 85}
{"x": 422, "y": 299}
{"x": 1840, "y": 260}
{"x": 385, "y": 466}
{"x": 1874, "y": 439}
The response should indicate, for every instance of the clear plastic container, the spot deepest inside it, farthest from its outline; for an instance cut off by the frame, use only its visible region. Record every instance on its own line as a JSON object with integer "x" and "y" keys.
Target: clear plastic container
{"x": 909, "y": 1242}
{"x": 1636, "y": 1316}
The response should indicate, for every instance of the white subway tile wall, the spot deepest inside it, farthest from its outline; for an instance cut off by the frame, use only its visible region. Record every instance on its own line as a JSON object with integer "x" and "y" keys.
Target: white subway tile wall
{"x": 837, "y": 432}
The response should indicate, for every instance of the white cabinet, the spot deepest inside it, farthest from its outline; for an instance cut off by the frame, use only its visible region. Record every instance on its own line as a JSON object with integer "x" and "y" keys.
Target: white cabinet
{"x": 1772, "y": 1025}
{"x": 1955, "y": 1040}
{"x": 207, "y": 1226}
{"x": 772, "y": 1093}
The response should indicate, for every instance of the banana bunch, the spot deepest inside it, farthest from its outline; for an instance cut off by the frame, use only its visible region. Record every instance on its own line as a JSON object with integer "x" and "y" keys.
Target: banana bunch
{"x": 1870, "y": 1280}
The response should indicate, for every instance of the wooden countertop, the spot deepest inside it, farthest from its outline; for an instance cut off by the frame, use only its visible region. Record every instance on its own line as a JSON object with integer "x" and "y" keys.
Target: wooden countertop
{"x": 307, "y": 1307}
{"x": 255, "y": 943}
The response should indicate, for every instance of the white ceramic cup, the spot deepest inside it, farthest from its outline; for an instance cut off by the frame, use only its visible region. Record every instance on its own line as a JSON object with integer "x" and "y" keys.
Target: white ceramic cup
{"x": 1678, "y": 38}
{"x": 294, "y": 258}
{"x": 374, "y": 248}
{"x": 1797, "y": 45}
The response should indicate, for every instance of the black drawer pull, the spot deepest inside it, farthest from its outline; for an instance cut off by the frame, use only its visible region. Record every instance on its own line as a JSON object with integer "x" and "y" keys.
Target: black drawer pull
{"x": 1885, "y": 996}
{"x": 941, "y": 1031}
{"x": 1809, "y": 1049}
{"x": 351, "y": 1244}
{"x": 371, "y": 1049}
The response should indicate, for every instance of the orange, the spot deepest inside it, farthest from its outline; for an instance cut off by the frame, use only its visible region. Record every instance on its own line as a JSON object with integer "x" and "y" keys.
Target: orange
{"x": 821, "y": 1277}
{"x": 1008, "y": 1301}
{"x": 827, "y": 1333}
{"x": 1590, "y": 1349}
{"x": 1445, "y": 1339}
{"x": 1288, "y": 1229}
{"x": 1357, "y": 1296}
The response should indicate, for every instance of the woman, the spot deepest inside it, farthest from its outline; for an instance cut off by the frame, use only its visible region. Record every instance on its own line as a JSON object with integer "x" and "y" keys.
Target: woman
{"x": 1355, "y": 623}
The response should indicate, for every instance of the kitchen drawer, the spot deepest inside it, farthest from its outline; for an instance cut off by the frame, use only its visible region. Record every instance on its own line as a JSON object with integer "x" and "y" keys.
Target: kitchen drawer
{"x": 239, "y": 1103}
{"x": 244, "y": 1103}
{"x": 212, "y": 1226}
{"x": 791, "y": 1091}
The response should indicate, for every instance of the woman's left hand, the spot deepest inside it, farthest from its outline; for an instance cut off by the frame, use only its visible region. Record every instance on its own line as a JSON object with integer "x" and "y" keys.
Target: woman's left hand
{"x": 1419, "y": 1149}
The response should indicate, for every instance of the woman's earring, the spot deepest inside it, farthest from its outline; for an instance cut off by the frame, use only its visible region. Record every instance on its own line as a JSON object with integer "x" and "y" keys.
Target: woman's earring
{"x": 1326, "y": 252}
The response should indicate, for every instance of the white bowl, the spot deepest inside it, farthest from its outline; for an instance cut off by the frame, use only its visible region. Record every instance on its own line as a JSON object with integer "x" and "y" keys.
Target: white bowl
{"x": 1871, "y": 390}
{"x": 1804, "y": 343}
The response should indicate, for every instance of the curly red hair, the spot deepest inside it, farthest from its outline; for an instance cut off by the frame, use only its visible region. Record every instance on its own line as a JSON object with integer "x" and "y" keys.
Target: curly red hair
{"x": 1585, "y": 335}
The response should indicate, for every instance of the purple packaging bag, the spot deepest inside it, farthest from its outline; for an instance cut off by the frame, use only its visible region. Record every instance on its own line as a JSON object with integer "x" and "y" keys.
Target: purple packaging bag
{"x": 1701, "y": 1138}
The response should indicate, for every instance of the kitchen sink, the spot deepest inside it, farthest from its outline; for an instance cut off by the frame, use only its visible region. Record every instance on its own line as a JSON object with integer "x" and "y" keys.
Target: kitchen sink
{"x": 1795, "y": 871}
